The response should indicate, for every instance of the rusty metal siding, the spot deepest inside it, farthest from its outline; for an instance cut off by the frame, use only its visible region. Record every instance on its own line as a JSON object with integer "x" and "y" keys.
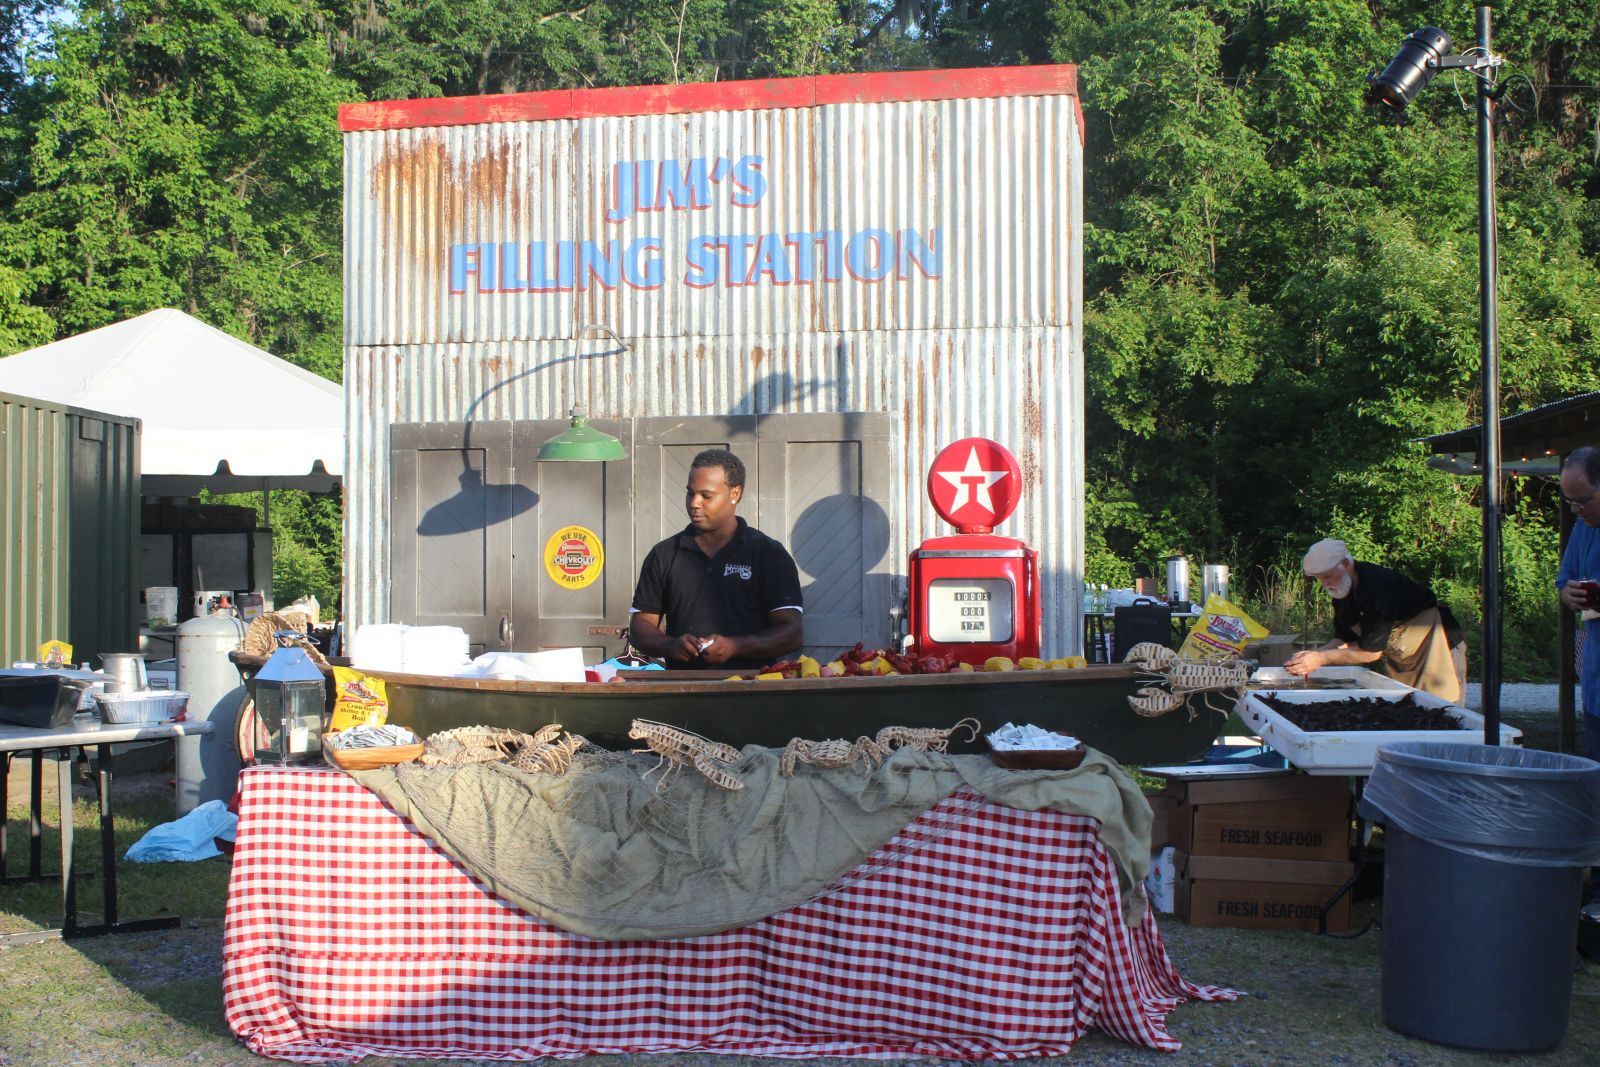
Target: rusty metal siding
{"x": 982, "y": 181}
{"x": 990, "y": 345}
{"x": 69, "y": 529}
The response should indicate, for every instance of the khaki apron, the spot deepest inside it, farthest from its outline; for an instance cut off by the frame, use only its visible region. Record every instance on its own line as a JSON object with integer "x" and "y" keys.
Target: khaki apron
{"x": 1419, "y": 654}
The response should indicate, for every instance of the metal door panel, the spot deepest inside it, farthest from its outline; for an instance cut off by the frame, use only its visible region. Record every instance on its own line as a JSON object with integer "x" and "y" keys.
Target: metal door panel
{"x": 450, "y": 543}
{"x": 595, "y": 496}
{"x": 823, "y": 477}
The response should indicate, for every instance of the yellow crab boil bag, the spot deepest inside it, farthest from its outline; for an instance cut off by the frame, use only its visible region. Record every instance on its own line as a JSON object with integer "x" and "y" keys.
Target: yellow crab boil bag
{"x": 1222, "y": 632}
{"x": 358, "y": 699}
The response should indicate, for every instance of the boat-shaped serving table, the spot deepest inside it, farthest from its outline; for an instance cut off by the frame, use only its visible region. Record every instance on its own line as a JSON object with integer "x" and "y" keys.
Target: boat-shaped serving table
{"x": 1089, "y": 703}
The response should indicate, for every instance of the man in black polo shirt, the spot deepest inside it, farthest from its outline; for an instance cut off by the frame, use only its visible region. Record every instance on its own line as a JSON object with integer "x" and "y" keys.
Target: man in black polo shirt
{"x": 1380, "y": 614}
{"x": 720, "y": 594}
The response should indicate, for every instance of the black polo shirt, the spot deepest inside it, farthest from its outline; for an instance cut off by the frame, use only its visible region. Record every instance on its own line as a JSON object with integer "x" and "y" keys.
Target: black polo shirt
{"x": 1381, "y": 599}
{"x": 731, "y": 593}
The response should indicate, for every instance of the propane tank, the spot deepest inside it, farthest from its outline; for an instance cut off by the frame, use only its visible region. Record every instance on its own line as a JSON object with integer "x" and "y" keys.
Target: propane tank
{"x": 208, "y": 764}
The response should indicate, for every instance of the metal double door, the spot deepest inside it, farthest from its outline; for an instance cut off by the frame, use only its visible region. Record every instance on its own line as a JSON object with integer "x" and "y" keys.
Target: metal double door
{"x": 474, "y": 513}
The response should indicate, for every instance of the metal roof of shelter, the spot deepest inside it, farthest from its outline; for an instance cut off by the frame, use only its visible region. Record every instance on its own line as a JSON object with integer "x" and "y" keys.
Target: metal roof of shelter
{"x": 1532, "y": 442}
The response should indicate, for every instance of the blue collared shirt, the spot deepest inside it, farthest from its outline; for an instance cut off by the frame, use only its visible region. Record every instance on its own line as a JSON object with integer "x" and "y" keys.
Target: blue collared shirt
{"x": 1582, "y": 560}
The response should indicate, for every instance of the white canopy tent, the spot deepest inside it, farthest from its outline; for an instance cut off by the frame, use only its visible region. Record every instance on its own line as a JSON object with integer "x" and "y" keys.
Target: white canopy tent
{"x": 218, "y": 413}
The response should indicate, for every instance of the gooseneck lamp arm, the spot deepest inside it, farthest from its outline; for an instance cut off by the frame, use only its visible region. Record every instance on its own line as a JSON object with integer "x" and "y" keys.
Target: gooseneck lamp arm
{"x": 580, "y": 442}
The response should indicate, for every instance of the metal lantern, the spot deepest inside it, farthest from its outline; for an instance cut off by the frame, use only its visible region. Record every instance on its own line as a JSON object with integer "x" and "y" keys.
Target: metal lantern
{"x": 291, "y": 706}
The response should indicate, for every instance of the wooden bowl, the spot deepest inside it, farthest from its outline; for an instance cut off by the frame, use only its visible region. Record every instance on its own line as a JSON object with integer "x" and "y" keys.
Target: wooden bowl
{"x": 1037, "y": 759}
{"x": 366, "y": 759}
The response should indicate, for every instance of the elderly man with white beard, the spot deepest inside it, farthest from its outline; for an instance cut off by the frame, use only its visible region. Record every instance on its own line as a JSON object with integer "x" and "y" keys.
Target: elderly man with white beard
{"x": 1381, "y": 615}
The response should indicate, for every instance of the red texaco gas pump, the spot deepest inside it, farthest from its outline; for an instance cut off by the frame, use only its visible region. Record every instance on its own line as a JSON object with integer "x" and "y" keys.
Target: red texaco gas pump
{"x": 976, "y": 594}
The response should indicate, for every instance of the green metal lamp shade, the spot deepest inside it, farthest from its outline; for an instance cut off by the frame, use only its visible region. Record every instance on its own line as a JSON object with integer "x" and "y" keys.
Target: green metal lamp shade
{"x": 579, "y": 443}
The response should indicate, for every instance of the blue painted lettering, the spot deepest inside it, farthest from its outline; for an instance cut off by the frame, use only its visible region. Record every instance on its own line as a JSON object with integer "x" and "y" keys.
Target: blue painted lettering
{"x": 739, "y": 246}
{"x": 643, "y": 271}
{"x": 564, "y": 260}
{"x": 622, "y": 205}
{"x": 771, "y": 261}
{"x": 463, "y": 261}
{"x": 541, "y": 278}
{"x": 604, "y": 266}
{"x": 702, "y": 260}
{"x": 870, "y": 254}
{"x": 928, "y": 257}
{"x": 511, "y": 276}
{"x": 750, "y": 184}
{"x": 685, "y": 187}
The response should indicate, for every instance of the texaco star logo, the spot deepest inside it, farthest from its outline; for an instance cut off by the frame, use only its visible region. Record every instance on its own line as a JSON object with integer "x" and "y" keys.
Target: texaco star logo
{"x": 974, "y": 484}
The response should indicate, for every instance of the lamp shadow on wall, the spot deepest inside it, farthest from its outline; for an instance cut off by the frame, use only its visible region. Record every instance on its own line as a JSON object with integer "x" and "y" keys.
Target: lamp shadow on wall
{"x": 478, "y": 503}
{"x": 835, "y": 527}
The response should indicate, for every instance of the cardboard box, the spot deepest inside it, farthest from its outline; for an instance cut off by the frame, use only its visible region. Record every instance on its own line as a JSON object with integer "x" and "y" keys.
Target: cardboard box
{"x": 1162, "y": 805}
{"x": 1260, "y": 894}
{"x": 1298, "y": 817}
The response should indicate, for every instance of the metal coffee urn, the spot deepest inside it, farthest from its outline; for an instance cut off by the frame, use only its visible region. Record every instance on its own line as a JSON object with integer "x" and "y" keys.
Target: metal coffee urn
{"x": 1213, "y": 582}
{"x": 1177, "y": 579}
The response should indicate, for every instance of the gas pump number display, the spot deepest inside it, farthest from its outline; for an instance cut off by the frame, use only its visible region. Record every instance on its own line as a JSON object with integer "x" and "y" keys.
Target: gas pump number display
{"x": 969, "y": 610}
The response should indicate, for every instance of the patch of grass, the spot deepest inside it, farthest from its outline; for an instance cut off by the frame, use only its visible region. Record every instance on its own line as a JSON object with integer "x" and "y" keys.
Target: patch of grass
{"x": 144, "y": 890}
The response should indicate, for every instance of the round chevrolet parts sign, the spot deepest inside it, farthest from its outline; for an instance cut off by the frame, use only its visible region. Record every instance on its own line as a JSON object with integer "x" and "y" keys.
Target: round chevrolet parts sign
{"x": 573, "y": 557}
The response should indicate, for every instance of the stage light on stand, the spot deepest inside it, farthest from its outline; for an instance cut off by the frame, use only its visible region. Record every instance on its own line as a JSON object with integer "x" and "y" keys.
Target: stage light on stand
{"x": 1411, "y": 69}
{"x": 1426, "y": 51}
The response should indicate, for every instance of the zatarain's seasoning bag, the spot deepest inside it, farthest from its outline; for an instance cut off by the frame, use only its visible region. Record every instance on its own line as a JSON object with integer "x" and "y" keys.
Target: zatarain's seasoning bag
{"x": 357, "y": 700}
{"x": 1222, "y": 632}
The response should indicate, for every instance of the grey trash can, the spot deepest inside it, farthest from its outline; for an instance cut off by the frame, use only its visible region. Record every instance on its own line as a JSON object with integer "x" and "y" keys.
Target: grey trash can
{"x": 1483, "y": 867}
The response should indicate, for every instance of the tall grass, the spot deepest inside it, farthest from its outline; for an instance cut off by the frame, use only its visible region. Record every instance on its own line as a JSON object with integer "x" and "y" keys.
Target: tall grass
{"x": 1285, "y": 601}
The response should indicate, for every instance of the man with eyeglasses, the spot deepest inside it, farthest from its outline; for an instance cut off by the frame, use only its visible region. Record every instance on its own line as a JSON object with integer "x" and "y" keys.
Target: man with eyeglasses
{"x": 1381, "y": 615}
{"x": 1576, "y": 580}
{"x": 1576, "y": 584}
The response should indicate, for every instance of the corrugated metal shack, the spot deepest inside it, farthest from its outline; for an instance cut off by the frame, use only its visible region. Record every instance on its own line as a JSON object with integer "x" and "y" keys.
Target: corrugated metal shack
{"x": 69, "y": 529}
{"x": 834, "y": 276}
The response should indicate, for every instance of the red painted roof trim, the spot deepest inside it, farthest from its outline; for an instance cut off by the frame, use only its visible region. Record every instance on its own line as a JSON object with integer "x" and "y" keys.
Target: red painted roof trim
{"x": 976, "y": 82}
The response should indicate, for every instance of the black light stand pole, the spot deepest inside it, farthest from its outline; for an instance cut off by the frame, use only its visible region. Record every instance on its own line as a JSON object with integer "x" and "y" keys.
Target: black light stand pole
{"x": 1488, "y": 340}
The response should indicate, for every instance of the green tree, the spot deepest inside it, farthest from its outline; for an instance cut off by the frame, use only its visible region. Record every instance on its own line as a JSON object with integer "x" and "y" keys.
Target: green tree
{"x": 1281, "y": 288}
{"x": 184, "y": 153}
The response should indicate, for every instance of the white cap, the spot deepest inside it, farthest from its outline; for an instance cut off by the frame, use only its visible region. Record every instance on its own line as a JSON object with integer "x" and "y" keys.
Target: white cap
{"x": 1325, "y": 555}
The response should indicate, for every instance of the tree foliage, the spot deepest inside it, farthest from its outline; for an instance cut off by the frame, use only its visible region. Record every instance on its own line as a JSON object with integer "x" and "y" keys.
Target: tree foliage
{"x": 1281, "y": 286}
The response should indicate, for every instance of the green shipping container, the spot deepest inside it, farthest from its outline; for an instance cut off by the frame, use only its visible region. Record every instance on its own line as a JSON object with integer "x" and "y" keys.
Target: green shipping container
{"x": 69, "y": 529}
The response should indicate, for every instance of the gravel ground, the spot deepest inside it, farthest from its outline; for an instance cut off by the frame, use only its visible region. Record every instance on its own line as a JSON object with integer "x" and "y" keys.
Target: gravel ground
{"x": 1524, "y": 698}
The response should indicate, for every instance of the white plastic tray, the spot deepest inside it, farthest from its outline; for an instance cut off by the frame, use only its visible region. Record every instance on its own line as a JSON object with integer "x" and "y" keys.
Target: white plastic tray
{"x": 1353, "y": 752}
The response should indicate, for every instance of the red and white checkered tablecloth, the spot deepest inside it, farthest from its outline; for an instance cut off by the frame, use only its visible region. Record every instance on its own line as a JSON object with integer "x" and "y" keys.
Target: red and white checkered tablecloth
{"x": 349, "y": 934}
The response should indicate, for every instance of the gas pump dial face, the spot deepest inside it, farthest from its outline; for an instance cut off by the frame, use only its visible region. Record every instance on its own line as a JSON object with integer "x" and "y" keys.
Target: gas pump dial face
{"x": 969, "y": 611}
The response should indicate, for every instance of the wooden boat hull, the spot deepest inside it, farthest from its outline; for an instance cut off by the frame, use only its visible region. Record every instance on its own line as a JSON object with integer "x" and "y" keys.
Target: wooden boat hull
{"x": 1088, "y": 703}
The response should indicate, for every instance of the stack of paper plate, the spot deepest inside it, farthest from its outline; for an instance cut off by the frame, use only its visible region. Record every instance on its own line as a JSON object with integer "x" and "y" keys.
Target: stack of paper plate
{"x": 434, "y": 650}
{"x": 378, "y": 647}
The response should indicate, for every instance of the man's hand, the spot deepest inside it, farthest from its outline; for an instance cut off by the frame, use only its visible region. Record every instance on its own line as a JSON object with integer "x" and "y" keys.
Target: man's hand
{"x": 1575, "y": 595}
{"x": 718, "y": 649}
{"x": 1303, "y": 663}
{"x": 686, "y": 647}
